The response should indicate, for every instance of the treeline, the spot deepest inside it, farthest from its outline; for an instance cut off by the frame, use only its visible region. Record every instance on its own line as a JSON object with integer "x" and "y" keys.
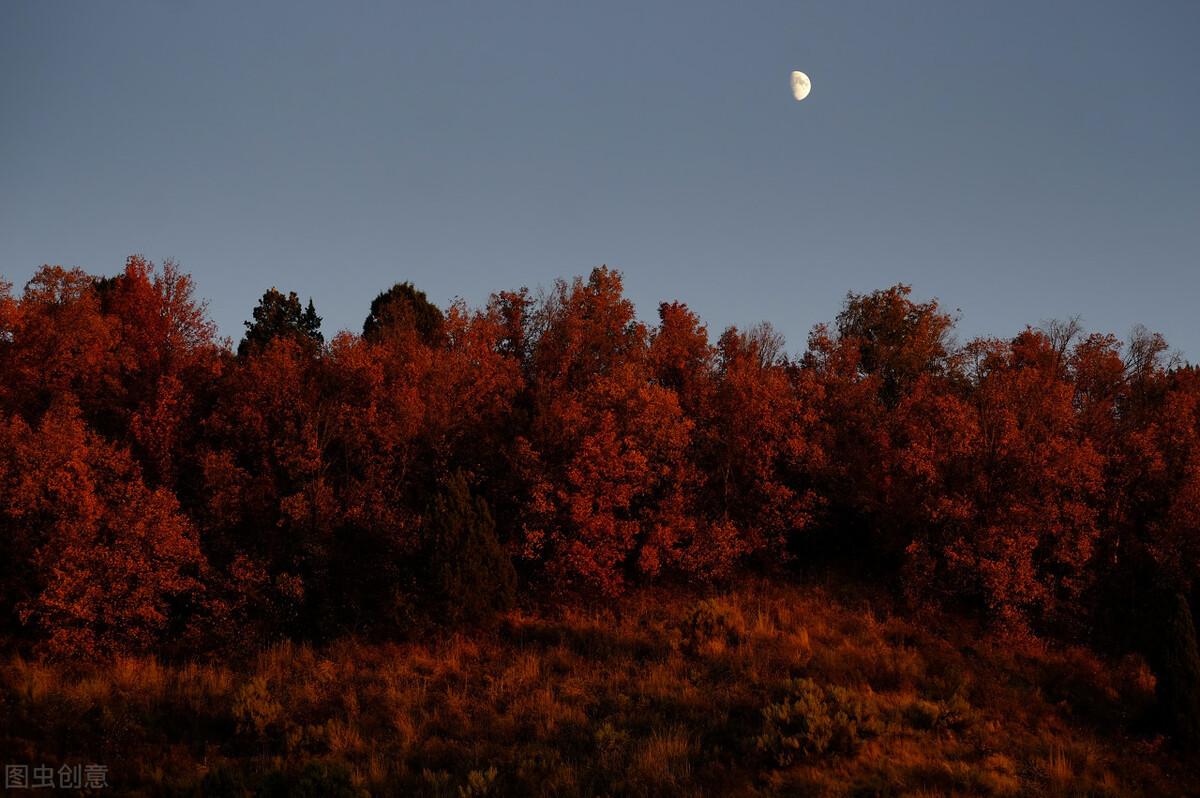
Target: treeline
{"x": 161, "y": 491}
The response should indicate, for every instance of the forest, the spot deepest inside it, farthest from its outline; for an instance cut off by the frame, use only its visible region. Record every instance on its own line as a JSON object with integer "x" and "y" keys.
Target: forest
{"x": 549, "y": 500}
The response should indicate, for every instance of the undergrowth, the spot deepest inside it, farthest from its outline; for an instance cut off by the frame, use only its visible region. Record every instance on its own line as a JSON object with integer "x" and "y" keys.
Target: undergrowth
{"x": 767, "y": 689}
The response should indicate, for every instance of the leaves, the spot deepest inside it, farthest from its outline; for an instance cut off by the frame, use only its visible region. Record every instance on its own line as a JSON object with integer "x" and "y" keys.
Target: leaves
{"x": 154, "y": 483}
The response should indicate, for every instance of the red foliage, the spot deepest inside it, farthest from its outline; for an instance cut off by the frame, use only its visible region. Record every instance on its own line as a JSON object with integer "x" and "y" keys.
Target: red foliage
{"x": 1014, "y": 500}
{"x": 149, "y": 475}
{"x": 97, "y": 559}
{"x": 605, "y": 452}
{"x": 59, "y": 344}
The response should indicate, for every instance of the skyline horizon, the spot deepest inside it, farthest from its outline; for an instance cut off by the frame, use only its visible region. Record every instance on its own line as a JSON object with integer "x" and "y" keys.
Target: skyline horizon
{"x": 1018, "y": 162}
{"x": 234, "y": 333}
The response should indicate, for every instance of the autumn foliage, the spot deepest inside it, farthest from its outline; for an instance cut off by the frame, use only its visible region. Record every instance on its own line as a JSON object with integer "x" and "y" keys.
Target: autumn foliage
{"x": 160, "y": 489}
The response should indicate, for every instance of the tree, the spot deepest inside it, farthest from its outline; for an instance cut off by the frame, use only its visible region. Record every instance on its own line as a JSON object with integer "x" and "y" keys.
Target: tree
{"x": 1152, "y": 509}
{"x": 756, "y": 448}
{"x": 1013, "y": 513}
{"x": 97, "y": 563}
{"x": 162, "y": 322}
{"x": 472, "y": 576}
{"x": 896, "y": 339}
{"x": 401, "y": 418}
{"x": 170, "y": 360}
{"x": 279, "y": 316}
{"x": 403, "y": 307}
{"x": 59, "y": 343}
{"x": 8, "y": 313}
{"x": 605, "y": 457}
{"x": 681, "y": 356}
{"x": 266, "y": 501}
{"x": 1177, "y": 665}
{"x": 884, "y": 352}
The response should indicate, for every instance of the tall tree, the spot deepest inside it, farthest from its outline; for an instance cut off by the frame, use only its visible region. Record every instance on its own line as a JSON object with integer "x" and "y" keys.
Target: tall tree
{"x": 402, "y": 307}
{"x": 279, "y": 316}
{"x": 605, "y": 456}
{"x": 472, "y": 574}
{"x": 896, "y": 339}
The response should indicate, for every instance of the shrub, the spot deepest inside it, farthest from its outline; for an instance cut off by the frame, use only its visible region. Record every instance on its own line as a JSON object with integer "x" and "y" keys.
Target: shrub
{"x": 479, "y": 783}
{"x": 812, "y": 720}
{"x": 953, "y": 713}
{"x": 223, "y": 782}
{"x": 612, "y": 746}
{"x": 256, "y": 709}
{"x": 713, "y": 620}
{"x": 1097, "y": 689}
{"x": 316, "y": 780}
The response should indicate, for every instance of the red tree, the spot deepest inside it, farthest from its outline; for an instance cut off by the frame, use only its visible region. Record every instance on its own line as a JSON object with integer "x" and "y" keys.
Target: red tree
{"x": 605, "y": 453}
{"x": 96, "y": 559}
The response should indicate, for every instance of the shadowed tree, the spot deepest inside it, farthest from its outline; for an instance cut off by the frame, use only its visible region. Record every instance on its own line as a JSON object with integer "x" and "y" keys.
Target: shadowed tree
{"x": 883, "y": 354}
{"x": 403, "y": 307}
{"x": 472, "y": 575}
{"x": 1177, "y": 665}
{"x": 279, "y": 316}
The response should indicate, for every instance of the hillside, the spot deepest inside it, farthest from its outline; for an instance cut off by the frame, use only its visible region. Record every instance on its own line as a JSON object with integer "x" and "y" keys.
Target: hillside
{"x": 767, "y": 689}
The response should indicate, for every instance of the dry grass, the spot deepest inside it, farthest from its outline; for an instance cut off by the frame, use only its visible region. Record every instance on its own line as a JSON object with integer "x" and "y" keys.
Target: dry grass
{"x": 663, "y": 695}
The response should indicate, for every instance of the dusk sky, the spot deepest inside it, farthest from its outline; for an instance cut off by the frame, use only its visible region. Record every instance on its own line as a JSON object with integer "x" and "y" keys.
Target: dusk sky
{"x": 1019, "y": 160}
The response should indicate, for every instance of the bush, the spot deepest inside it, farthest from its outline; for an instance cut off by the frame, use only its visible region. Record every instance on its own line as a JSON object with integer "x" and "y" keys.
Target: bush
{"x": 612, "y": 746}
{"x": 316, "y": 780}
{"x": 473, "y": 576}
{"x": 257, "y": 711}
{"x": 811, "y": 720}
{"x": 713, "y": 620}
{"x": 479, "y": 784}
{"x": 223, "y": 782}
{"x": 953, "y": 713}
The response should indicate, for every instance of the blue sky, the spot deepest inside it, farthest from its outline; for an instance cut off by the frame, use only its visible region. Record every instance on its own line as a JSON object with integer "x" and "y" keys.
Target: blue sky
{"x": 1018, "y": 160}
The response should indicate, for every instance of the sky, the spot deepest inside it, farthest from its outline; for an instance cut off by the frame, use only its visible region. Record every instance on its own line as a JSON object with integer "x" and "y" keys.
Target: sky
{"x": 1018, "y": 161}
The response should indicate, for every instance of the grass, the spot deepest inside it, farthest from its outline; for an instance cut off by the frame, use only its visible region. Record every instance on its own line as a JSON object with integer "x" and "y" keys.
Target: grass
{"x": 766, "y": 689}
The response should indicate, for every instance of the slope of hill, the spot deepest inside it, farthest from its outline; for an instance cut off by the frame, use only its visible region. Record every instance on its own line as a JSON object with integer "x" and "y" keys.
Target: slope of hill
{"x": 766, "y": 689}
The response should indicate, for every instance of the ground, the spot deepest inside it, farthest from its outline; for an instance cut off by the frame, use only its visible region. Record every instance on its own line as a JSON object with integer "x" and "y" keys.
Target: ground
{"x": 763, "y": 689}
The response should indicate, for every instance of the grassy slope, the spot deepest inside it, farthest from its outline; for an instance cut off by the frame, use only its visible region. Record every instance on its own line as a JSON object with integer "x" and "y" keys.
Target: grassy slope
{"x": 663, "y": 695}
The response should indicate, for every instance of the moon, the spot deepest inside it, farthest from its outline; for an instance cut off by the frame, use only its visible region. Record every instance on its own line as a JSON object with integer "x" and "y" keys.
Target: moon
{"x": 801, "y": 85}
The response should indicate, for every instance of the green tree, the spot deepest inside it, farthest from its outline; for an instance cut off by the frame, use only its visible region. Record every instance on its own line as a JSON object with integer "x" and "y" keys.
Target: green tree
{"x": 473, "y": 577}
{"x": 279, "y": 316}
{"x": 403, "y": 307}
{"x": 1178, "y": 670}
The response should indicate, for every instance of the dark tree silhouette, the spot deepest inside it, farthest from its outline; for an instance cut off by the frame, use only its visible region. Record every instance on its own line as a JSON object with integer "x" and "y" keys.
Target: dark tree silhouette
{"x": 471, "y": 573}
{"x": 279, "y": 316}
{"x": 403, "y": 307}
{"x": 1177, "y": 667}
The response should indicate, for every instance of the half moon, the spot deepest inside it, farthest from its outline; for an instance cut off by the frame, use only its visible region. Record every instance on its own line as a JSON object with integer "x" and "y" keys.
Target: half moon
{"x": 801, "y": 85}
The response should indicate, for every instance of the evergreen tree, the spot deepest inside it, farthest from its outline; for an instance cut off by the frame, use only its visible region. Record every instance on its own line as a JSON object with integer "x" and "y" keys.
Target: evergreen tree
{"x": 403, "y": 307}
{"x": 473, "y": 577}
{"x": 280, "y": 316}
{"x": 1178, "y": 671}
